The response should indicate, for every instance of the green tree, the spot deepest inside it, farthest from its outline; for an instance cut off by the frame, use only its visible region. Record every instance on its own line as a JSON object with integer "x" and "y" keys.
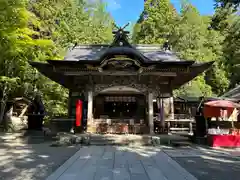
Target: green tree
{"x": 16, "y": 46}
{"x": 67, "y": 22}
{"x": 39, "y": 31}
{"x": 155, "y": 23}
{"x": 196, "y": 41}
{"x": 191, "y": 37}
{"x": 195, "y": 88}
{"x": 231, "y": 51}
{"x": 224, "y": 3}
{"x": 223, "y": 9}
{"x": 226, "y": 21}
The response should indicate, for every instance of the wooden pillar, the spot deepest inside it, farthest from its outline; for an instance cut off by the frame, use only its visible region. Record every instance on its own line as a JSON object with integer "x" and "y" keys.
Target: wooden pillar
{"x": 150, "y": 112}
{"x": 90, "y": 111}
{"x": 172, "y": 107}
{"x": 70, "y": 103}
{"x": 190, "y": 127}
{"x": 162, "y": 113}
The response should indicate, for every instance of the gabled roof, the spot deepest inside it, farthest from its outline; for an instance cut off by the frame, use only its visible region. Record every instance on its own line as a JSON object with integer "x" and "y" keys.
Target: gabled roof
{"x": 187, "y": 99}
{"x": 233, "y": 93}
{"x": 94, "y": 52}
{"x": 120, "y": 46}
{"x": 120, "y": 57}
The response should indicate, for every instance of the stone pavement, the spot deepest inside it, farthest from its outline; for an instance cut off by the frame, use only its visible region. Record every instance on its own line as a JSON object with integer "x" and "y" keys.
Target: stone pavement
{"x": 30, "y": 159}
{"x": 206, "y": 163}
{"x": 120, "y": 163}
{"x": 200, "y": 151}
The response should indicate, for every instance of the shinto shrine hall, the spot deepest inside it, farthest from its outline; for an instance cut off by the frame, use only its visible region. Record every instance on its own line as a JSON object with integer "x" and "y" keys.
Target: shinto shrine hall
{"x": 119, "y": 83}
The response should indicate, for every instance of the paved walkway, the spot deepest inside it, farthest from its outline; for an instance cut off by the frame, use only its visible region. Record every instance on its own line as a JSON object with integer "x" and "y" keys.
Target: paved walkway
{"x": 120, "y": 163}
{"x": 23, "y": 158}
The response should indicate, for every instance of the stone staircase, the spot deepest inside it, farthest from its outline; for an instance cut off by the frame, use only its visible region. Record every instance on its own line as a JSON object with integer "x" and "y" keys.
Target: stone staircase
{"x": 66, "y": 139}
{"x": 102, "y": 140}
{"x": 123, "y": 140}
{"x": 137, "y": 140}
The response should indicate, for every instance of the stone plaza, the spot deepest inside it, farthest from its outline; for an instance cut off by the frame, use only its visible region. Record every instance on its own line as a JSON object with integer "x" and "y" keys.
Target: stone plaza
{"x": 120, "y": 163}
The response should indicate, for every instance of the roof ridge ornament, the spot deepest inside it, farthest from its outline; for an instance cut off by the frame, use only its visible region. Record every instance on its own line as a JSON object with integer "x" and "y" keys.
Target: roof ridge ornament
{"x": 120, "y": 29}
{"x": 120, "y": 36}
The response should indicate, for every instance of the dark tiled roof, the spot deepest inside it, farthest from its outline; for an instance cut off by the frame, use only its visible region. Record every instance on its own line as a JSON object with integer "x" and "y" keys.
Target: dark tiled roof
{"x": 94, "y": 52}
{"x": 197, "y": 99}
{"x": 194, "y": 71}
{"x": 88, "y": 52}
{"x": 233, "y": 93}
{"x": 187, "y": 99}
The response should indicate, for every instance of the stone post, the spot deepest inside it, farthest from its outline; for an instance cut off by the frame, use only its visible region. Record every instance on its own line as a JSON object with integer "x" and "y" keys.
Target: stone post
{"x": 90, "y": 111}
{"x": 150, "y": 112}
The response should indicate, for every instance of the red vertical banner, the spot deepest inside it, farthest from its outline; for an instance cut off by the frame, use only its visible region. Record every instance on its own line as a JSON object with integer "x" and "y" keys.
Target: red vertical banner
{"x": 79, "y": 105}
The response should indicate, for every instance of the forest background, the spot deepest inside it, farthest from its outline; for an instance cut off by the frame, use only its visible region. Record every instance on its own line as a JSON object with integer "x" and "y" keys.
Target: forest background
{"x": 38, "y": 30}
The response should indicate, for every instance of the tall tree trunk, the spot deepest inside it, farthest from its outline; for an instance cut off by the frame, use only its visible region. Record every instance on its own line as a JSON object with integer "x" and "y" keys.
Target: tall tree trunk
{"x": 3, "y": 103}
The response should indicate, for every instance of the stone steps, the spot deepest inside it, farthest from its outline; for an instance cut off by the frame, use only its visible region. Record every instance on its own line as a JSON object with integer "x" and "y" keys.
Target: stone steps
{"x": 102, "y": 141}
{"x": 131, "y": 140}
{"x": 105, "y": 142}
{"x": 146, "y": 140}
{"x": 108, "y": 144}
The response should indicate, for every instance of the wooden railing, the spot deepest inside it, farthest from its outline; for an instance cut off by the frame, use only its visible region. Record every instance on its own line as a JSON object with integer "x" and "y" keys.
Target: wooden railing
{"x": 181, "y": 125}
{"x": 183, "y": 116}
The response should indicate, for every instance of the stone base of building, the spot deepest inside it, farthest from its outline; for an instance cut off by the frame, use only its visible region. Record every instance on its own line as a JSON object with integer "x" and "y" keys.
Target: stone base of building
{"x": 91, "y": 129}
{"x": 118, "y": 128}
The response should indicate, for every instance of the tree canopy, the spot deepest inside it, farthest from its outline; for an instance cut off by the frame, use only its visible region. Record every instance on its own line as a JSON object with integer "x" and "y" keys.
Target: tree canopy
{"x": 190, "y": 34}
{"x": 41, "y": 30}
{"x": 44, "y": 29}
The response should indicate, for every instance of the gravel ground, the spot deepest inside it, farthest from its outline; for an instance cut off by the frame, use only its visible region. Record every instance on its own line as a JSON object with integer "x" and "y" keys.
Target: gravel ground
{"x": 23, "y": 159}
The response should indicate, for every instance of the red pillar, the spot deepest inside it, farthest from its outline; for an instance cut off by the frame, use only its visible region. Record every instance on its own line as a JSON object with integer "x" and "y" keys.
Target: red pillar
{"x": 79, "y": 106}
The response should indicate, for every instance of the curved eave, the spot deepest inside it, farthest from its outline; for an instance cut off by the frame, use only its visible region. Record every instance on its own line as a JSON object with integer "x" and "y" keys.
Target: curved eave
{"x": 195, "y": 70}
{"x": 232, "y": 92}
{"x": 48, "y": 70}
{"x": 172, "y": 63}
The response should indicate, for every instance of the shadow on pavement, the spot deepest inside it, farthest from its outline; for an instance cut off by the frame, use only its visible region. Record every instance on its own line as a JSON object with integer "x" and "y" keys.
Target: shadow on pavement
{"x": 26, "y": 157}
{"x": 22, "y": 158}
{"x": 206, "y": 163}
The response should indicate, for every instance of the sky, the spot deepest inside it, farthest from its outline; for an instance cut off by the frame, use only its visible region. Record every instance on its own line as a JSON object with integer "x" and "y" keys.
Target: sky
{"x": 124, "y": 11}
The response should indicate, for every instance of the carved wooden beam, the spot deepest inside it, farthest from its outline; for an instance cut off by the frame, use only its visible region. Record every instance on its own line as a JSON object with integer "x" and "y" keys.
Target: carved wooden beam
{"x": 119, "y": 73}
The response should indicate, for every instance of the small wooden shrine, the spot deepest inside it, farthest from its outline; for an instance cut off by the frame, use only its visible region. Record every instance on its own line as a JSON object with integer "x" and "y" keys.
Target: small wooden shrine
{"x": 119, "y": 81}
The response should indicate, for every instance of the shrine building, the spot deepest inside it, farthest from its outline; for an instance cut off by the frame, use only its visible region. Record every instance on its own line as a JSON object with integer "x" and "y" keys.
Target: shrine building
{"x": 119, "y": 83}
